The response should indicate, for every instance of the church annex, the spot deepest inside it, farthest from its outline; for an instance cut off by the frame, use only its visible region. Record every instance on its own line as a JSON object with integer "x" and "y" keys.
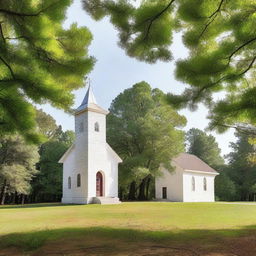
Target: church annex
{"x": 90, "y": 165}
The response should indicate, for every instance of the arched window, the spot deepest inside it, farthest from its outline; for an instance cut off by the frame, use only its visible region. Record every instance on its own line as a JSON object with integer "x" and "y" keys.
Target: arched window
{"x": 79, "y": 180}
{"x": 69, "y": 182}
{"x": 96, "y": 127}
{"x": 193, "y": 183}
{"x": 205, "y": 184}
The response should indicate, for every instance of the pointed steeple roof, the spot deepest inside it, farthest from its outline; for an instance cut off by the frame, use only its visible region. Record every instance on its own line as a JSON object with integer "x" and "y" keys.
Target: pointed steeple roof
{"x": 89, "y": 103}
{"x": 89, "y": 97}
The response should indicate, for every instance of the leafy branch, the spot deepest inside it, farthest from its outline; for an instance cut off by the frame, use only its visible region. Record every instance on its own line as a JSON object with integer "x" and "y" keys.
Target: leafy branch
{"x": 152, "y": 19}
{"x": 20, "y": 14}
{"x": 212, "y": 18}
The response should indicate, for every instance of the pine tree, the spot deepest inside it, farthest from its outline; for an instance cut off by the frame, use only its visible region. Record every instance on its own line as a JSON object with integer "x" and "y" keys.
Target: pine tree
{"x": 40, "y": 61}
{"x": 241, "y": 170}
{"x": 220, "y": 36}
{"x": 205, "y": 147}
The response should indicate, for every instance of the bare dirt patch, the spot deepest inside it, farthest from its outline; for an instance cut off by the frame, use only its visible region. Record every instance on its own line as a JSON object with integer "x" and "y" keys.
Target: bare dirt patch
{"x": 92, "y": 246}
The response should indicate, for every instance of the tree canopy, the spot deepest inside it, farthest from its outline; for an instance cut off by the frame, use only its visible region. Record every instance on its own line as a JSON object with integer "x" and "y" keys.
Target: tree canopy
{"x": 144, "y": 130}
{"x": 240, "y": 169}
{"x": 40, "y": 61}
{"x": 47, "y": 185}
{"x": 34, "y": 171}
{"x": 205, "y": 147}
{"x": 221, "y": 39}
{"x": 17, "y": 165}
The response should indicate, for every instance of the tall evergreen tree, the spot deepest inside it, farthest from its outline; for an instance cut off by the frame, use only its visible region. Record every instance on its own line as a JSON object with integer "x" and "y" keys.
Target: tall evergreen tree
{"x": 144, "y": 131}
{"x": 40, "y": 61}
{"x": 205, "y": 147}
{"x": 17, "y": 165}
{"x": 241, "y": 170}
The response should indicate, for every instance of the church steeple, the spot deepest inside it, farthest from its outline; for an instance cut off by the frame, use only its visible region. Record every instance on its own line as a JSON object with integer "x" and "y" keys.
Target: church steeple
{"x": 89, "y": 97}
{"x": 89, "y": 103}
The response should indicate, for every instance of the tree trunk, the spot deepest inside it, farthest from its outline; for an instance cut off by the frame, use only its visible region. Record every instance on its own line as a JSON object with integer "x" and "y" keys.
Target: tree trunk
{"x": 147, "y": 188}
{"x": 23, "y": 198}
{"x": 142, "y": 195}
{"x": 3, "y": 198}
{"x": 121, "y": 193}
{"x": 13, "y": 198}
{"x": 132, "y": 191}
{"x": 3, "y": 192}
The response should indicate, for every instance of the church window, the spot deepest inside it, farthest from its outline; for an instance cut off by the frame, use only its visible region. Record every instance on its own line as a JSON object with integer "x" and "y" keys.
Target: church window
{"x": 79, "y": 180}
{"x": 96, "y": 127}
{"x": 69, "y": 182}
{"x": 81, "y": 127}
{"x": 193, "y": 184}
{"x": 205, "y": 184}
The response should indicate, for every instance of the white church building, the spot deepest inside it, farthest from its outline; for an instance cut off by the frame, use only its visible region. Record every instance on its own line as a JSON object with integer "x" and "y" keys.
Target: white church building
{"x": 90, "y": 165}
{"x": 191, "y": 181}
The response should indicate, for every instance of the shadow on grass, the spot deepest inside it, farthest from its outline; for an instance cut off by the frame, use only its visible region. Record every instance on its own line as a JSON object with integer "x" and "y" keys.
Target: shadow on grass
{"x": 34, "y": 240}
{"x": 2, "y": 207}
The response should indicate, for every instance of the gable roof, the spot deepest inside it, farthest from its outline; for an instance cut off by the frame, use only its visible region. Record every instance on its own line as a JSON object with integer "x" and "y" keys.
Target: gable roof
{"x": 111, "y": 151}
{"x": 62, "y": 159}
{"x": 191, "y": 162}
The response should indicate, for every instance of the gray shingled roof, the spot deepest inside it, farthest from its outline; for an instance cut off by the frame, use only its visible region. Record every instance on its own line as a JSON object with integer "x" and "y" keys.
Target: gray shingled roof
{"x": 89, "y": 102}
{"x": 192, "y": 162}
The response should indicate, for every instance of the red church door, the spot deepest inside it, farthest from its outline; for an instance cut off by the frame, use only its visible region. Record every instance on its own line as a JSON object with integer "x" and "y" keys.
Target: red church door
{"x": 99, "y": 184}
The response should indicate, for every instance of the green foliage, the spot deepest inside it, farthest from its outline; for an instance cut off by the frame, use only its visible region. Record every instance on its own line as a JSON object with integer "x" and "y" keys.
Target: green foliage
{"x": 17, "y": 165}
{"x": 225, "y": 188}
{"x": 205, "y": 147}
{"x": 40, "y": 62}
{"x": 221, "y": 39}
{"x": 17, "y": 177}
{"x": 144, "y": 32}
{"x": 23, "y": 172}
{"x": 143, "y": 130}
{"x": 45, "y": 124}
{"x": 240, "y": 169}
{"x": 47, "y": 185}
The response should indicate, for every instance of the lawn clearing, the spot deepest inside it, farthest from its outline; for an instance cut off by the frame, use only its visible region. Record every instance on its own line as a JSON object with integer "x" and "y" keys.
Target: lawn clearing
{"x": 142, "y": 228}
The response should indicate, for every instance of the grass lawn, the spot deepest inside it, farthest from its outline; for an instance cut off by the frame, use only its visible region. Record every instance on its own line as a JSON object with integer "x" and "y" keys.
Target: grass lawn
{"x": 148, "y": 228}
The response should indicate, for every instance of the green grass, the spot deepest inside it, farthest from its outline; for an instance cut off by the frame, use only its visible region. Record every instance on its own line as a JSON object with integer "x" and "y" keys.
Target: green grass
{"x": 31, "y": 226}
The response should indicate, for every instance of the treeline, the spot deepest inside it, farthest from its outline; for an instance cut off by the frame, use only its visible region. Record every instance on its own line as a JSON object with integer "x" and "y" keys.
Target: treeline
{"x": 146, "y": 132}
{"x": 31, "y": 173}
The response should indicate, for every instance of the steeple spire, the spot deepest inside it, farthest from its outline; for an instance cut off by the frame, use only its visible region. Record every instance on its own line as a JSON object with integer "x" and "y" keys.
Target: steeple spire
{"x": 89, "y": 97}
{"x": 89, "y": 101}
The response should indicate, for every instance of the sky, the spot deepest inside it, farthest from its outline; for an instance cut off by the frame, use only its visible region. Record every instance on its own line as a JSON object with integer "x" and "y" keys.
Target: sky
{"x": 114, "y": 72}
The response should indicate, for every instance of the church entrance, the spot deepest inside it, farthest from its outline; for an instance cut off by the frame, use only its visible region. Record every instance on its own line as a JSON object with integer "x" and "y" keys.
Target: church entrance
{"x": 99, "y": 184}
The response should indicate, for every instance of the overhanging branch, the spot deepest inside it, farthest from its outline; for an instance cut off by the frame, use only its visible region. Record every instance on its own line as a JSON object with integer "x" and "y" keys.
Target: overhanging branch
{"x": 8, "y": 66}
{"x": 155, "y": 17}
{"x": 20, "y": 14}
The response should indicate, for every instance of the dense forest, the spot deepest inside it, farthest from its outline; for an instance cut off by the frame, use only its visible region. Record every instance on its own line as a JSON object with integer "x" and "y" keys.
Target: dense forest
{"x": 31, "y": 173}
